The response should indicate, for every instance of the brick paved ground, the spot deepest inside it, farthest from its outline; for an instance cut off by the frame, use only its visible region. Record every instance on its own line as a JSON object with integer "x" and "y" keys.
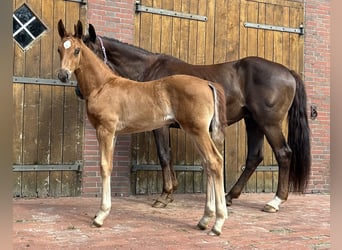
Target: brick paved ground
{"x": 64, "y": 223}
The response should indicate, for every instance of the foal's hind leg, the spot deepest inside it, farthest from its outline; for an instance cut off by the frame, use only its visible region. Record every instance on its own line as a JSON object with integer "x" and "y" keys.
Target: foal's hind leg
{"x": 255, "y": 139}
{"x": 215, "y": 200}
{"x": 170, "y": 183}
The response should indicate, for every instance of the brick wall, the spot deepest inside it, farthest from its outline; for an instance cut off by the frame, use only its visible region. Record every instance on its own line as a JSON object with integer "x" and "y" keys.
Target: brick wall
{"x": 111, "y": 18}
{"x": 116, "y": 18}
{"x": 317, "y": 81}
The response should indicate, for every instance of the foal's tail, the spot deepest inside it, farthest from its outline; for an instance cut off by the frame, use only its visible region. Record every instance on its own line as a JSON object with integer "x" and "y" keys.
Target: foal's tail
{"x": 299, "y": 138}
{"x": 219, "y": 120}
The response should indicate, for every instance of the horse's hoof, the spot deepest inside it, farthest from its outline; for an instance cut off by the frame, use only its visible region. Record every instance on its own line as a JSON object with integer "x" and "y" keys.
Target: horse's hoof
{"x": 161, "y": 202}
{"x": 214, "y": 232}
{"x": 202, "y": 227}
{"x": 269, "y": 209}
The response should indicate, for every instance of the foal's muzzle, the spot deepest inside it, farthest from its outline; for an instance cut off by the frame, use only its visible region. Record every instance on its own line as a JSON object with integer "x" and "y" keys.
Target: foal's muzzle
{"x": 63, "y": 75}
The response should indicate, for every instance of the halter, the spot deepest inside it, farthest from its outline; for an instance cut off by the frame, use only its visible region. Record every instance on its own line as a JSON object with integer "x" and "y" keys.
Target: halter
{"x": 103, "y": 50}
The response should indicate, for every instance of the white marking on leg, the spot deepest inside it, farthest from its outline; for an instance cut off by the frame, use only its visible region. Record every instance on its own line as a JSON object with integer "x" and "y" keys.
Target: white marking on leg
{"x": 106, "y": 203}
{"x": 275, "y": 202}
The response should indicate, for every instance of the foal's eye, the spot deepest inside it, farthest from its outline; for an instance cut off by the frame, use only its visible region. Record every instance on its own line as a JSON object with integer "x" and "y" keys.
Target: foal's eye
{"x": 77, "y": 51}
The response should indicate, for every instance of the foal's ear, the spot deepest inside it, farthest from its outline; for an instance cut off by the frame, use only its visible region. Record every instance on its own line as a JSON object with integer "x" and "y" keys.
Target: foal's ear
{"x": 78, "y": 30}
{"x": 61, "y": 29}
{"x": 92, "y": 33}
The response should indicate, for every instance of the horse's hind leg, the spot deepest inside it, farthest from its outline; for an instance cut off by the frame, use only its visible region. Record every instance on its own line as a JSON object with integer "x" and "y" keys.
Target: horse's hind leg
{"x": 255, "y": 139}
{"x": 283, "y": 155}
{"x": 215, "y": 200}
{"x": 170, "y": 183}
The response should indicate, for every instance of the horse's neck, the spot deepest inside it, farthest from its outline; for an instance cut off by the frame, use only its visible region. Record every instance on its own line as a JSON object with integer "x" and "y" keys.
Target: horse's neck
{"x": 92, "y": 73}
{"x": 128, "y": 61}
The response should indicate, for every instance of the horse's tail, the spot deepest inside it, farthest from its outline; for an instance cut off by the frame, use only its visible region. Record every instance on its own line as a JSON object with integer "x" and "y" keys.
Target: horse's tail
{"x": 299, "y": 138}
{"x": 219, "y": 120}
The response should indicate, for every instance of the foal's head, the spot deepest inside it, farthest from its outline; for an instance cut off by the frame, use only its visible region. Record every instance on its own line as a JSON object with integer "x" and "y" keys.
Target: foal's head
{"x": 69, "y": 50}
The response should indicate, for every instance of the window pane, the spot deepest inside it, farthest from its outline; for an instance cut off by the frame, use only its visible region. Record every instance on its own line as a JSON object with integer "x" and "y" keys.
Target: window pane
{"x": 36, "y": 28}
{"x": 23, "y": 14}
{"x": 23, "y": 38}
{"x": 16, "y": 25}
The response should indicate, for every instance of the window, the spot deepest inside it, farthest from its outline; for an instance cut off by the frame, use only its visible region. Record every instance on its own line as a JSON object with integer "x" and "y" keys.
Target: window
{"x": 26, "y": 26}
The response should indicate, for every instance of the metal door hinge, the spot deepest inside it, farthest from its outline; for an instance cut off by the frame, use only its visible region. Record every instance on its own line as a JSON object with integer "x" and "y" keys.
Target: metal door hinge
{"x": 83, "y": 2}
{"x": 299, "y": 30}
{"x": 142, "y": 8}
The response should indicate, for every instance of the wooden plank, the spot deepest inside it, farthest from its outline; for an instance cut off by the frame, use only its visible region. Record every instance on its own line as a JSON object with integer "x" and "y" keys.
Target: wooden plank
{"x": 70, "y": 128}
{"x": 18, "y": 103}
{"x": 69, "y": 183}
{"x": 28, "y": 184}
{"x": 294, "y": 43}
{"x": 289, "y": 3}
{"x": 192, "y": 39}
{"x": 181, "y": 181}
{"x": 156, "y": 24}
{"x": 278, "y": 36}
{"x": 286, "y": 37}
{"x": 152, "y": 182}
{"x": 55, "y": 183}
{"x": 43, "y": 184}
{"x": 145, "y": 40}
{"x": 198, "y": 176}
{"x": 166, "y": 30}
{"x": 141, "y": 184}
{"x": 201, "y": 34}
{"x": 189, "y": 182}
{"x": 176, "y": 27}
{"x": 210, "y": 33}
{"x": 17, "y": 184}
{"x": 221, "y": 31}
{"x": 233, "y": 30}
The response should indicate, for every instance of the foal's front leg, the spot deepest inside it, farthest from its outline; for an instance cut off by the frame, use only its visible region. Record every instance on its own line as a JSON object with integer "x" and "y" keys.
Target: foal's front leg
{"x": 106, "y": 142}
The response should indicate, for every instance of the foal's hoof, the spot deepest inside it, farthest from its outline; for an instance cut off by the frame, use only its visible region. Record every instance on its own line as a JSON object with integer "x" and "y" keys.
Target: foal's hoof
{"x": 269, "y": 209}
{"x": 96, "y": 223}
{"x": 202, "y": 227}
{"x": 214, "y": 232}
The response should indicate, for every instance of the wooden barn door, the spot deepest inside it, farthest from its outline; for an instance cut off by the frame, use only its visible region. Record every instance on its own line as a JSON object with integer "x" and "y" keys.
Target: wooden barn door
{"x": 48, "y": 117}
{"x": 271, "y": 29}
{"x": 222, "y": 35}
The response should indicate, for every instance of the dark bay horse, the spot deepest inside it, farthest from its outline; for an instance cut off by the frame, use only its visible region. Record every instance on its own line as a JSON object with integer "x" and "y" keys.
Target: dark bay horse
{"x": 257, "y": 90}
{"x": 117, "y": 105}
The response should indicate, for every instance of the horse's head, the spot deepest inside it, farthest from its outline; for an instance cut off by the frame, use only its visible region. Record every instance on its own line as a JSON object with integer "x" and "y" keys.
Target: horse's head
{"x": 69, "y": 50}
{"x": 91, "y": 41}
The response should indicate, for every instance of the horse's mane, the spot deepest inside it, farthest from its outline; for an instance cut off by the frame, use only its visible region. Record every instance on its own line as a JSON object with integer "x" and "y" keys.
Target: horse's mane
{"x": 141, "y": 50}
